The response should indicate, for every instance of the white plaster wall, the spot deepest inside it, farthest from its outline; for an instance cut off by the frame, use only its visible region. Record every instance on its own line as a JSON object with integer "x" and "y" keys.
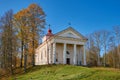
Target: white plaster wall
{"x": 41, "y": 56}
{"x": 82, "y": 54}
{"x": 70, "y": 49}
{"x": 59, "y": 53}
{"x": 79, "y": 54}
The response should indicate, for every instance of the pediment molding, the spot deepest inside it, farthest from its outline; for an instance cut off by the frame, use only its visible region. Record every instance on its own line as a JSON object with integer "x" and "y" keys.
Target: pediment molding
{"x": 71, "y": 33}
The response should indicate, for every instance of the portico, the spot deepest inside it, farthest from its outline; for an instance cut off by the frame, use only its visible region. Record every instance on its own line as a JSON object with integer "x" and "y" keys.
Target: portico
{"x": 67, "y": 53}
{"x": 65, "y": 47}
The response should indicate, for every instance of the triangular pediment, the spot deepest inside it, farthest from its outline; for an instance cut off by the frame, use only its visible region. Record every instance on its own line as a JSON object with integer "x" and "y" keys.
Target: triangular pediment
{"x": 71, "y": 33}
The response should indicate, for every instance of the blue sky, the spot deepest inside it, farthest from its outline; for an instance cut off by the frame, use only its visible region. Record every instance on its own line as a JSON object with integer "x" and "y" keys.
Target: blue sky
{"x": 85, "y": 16}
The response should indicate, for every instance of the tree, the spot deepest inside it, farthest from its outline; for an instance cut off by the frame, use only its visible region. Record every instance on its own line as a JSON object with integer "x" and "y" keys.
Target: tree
{"x": 37, "y": 24}
{"x": 98, "y": 44}
{"x": 112, "y": 52}
{"x": 91, "y": 51}
{"x": 8, "y": 41}
{"x": 21, "y": 23}
{"x": 29, "y": 22}
{"x": 117, "y": 36}
{"x": 105, "y": 42}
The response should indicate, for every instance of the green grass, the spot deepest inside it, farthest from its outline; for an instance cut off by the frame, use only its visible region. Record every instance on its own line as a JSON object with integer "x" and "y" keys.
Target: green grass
{"x": 68, "y": 72}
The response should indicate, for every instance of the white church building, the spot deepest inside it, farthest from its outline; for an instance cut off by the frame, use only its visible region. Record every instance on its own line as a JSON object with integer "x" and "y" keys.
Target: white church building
{"x": 64, "y": 47}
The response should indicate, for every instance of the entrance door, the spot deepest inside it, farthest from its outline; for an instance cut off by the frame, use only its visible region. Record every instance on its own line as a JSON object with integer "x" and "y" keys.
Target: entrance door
{"x": 68, "y": 61}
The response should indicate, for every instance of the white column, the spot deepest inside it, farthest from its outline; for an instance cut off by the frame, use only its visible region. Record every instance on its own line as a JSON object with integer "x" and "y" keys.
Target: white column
{"x": 54, "y": 53}
{"x": 84, "y": 55}
{"x": 50, "y": 54}
{"x": 64, "y": 54}
{"x": 74, "y": 58}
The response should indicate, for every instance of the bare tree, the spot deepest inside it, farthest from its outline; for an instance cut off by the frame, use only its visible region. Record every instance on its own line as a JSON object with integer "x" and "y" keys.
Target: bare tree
{"x": 117, "y": 36}
{"x": 98, "y": 44}
{"x": 8, "y": 40}
{"x": 105, "y": 42}
{"x": 112, "y": 50}
{"x": 92, "y": 55}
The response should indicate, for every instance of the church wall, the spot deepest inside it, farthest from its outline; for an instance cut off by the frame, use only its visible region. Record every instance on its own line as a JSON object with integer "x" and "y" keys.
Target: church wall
{"x": 36, "y": 58}
{"x": 82, "y": 54}
{"x": 70, "y": 49}
{"x": 51, "y": 60}
{"x": 41, "y": 56}
{"x": 79, "y": 54}
{"x": 59, "y": 53}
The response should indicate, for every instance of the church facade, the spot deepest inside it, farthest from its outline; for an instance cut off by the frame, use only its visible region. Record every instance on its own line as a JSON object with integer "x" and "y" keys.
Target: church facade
{"x": 64, "y": 47}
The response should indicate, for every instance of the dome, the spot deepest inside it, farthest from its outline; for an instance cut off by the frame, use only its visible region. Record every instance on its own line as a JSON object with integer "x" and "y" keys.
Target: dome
{"x": 49, "y": 30}
{"x": 49, "y": 33}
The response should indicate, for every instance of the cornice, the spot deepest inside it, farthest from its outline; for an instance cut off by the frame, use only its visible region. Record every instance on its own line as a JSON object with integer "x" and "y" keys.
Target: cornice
{"x": 70, "y": 38}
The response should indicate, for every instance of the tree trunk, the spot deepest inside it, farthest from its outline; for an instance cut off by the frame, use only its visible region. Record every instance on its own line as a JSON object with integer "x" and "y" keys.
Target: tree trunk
{"x": 25, "y": 62}
{"x": 98, "y": 62}
{"x": 21, "y": 53}
{"x": 33, "y": 57}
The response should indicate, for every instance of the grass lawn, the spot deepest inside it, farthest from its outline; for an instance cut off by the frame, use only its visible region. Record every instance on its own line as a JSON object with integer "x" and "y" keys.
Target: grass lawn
{"x": 68, "y": 72}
